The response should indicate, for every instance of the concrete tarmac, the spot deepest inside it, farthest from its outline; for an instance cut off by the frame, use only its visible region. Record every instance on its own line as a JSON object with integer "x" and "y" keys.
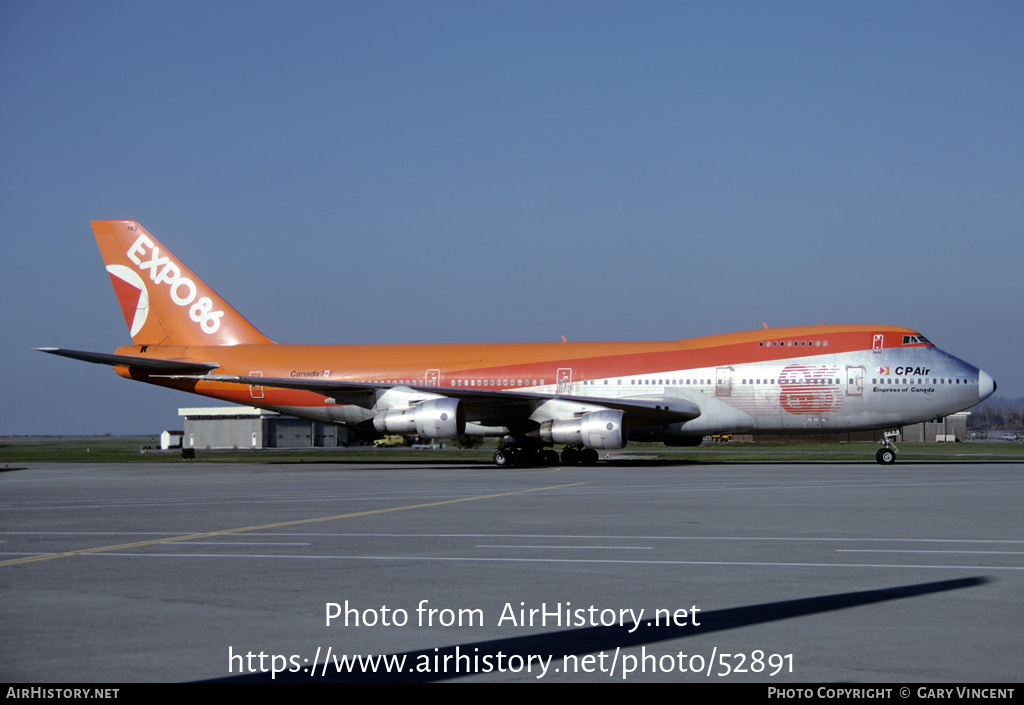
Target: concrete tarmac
{"x": 774, "y": 573}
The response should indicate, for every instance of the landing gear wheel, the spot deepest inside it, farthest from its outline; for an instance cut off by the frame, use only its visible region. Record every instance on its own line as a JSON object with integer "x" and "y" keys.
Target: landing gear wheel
{"x": 523, "y": 452}
{"x": 577, "y": 454}
{"x": 523, "y": 458}
{"x": 885, "y": 456}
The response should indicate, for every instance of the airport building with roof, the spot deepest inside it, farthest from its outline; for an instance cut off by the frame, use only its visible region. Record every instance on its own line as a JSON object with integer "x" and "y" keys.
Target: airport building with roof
{"x": 240, "y": 427}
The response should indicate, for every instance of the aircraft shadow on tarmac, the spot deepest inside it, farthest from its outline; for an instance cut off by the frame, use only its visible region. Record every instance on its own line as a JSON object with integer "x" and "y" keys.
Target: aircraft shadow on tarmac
{"x": 590, "y": 640}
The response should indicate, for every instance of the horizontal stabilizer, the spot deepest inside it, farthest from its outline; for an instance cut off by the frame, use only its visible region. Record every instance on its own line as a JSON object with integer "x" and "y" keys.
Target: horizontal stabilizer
{"x": 146, "y": 364}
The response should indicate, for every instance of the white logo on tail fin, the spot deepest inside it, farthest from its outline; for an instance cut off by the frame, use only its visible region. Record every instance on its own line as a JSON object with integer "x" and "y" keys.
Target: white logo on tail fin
{"x": 182, "y": 289}
{"x": 132, "y": 295}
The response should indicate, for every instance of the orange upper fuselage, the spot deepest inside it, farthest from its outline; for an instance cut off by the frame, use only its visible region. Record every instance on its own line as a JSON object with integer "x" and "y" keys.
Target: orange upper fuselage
{"x": 501, "y": 365}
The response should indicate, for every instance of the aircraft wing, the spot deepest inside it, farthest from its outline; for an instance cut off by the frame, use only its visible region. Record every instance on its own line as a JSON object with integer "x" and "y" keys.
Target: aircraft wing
{"x": 153, "y": 365}
{"x": 480, "y": 403}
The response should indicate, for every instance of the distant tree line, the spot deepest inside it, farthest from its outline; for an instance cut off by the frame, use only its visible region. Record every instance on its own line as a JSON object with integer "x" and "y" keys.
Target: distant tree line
{"x": 997, "y": 413}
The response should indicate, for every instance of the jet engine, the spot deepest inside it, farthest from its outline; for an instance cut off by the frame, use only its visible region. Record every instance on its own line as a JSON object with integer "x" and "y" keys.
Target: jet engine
{"x": 597, "y": 429}
{"x": 435, "y": 418}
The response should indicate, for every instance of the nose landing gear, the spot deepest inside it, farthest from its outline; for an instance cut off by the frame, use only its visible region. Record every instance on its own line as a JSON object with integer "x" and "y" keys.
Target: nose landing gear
{"x": 886, "y": 455}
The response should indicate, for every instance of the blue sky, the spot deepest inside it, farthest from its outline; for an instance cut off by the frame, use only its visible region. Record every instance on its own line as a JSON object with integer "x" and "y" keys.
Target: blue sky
{"x": 356, "y": 172}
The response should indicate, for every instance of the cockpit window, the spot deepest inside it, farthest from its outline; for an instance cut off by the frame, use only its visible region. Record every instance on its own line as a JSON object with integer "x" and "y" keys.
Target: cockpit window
{"x": 915, "y": 340}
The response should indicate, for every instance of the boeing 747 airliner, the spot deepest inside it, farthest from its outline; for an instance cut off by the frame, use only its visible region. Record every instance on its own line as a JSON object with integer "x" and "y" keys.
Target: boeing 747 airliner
{"x": 584, "y": 396}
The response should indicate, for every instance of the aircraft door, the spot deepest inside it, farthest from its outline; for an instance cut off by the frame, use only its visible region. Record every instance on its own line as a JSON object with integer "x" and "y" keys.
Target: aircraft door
{"x": 256, "y": 392}
{"x": 854, "y": 381}
{"x": 433, "y": 378}
{"x": 723, "y": 382}
{"x": 564, "y": 377}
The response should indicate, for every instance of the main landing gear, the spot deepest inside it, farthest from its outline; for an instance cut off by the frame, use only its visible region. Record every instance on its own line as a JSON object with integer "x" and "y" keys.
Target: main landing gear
{"x": 520, "y": 452}
{"x": 577, "y": 454}
{"x": 524, "y": 453}
{"x": 886, "y": 455}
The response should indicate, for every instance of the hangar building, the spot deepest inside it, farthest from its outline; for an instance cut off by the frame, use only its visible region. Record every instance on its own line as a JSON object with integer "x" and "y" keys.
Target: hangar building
{"x": 238, "y": 427}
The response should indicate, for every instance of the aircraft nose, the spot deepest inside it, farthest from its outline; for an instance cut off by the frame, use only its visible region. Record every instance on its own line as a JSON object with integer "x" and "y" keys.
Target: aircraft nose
{"x": 986, "y": 385}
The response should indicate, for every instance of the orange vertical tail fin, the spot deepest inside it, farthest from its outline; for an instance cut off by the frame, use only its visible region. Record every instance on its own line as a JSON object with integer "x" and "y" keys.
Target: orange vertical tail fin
{"x": 163, "y": 302}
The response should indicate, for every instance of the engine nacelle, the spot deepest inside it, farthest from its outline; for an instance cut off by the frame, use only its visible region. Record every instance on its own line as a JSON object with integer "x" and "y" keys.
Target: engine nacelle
{"x": 603, "y": 430}
{"x": 435, "y": 418}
